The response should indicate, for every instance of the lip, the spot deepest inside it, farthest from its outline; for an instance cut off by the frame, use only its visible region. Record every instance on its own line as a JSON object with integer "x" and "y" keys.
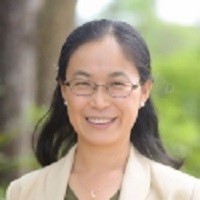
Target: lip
{"x": 101, "y": 125}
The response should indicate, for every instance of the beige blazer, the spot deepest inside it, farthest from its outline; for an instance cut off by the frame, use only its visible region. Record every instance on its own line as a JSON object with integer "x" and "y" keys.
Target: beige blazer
{"x": 144, "y": 179}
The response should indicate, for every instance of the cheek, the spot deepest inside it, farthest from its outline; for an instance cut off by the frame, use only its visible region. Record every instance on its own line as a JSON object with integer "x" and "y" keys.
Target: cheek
{"x": 130, "y": 109}
{"x": 75, "y": 109}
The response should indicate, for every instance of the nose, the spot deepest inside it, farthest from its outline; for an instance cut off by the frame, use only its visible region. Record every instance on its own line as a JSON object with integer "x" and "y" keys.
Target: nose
{"x": 100, "y": 99}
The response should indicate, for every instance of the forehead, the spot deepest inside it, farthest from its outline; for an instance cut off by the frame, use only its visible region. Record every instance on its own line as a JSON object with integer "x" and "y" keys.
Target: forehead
{"x": 101, "y": 58}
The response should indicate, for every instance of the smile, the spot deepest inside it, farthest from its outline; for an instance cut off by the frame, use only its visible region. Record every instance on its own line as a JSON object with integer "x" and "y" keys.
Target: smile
{"x": 97, "y": 120}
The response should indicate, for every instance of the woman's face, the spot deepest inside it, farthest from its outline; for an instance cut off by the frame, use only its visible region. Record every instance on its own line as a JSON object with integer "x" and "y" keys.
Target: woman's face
{"x": 100, "y": 119}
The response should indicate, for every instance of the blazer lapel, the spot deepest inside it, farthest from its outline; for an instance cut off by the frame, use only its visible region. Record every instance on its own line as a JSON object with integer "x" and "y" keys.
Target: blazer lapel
{"x": 136, "y": 181}
{"x": 57, "y": 179}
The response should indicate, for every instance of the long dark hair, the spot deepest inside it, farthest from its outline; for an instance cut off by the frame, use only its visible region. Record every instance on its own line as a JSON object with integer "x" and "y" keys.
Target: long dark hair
{"x": 57, "y": 134}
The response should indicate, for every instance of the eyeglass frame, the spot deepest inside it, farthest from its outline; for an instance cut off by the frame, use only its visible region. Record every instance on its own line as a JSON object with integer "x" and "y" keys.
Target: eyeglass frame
{"x": 106, "y": 86}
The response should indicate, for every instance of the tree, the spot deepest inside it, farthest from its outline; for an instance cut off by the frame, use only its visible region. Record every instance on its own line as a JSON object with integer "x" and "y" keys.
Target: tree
{"x": 17, "y": 72}
{"x": 56, "y": 21}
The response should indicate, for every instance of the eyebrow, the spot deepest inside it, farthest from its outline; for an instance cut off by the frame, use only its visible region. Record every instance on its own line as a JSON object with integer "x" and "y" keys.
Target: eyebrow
{"x": 118, "y": 73}
{"x": 81, "y": 73}
{"x": 112, "y": 75}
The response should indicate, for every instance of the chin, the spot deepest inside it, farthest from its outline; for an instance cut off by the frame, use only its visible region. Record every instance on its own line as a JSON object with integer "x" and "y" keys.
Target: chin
{"x": 99, "y": 141}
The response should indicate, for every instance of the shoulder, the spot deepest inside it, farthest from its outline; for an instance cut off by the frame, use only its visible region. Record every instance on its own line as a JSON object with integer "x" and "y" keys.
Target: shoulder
{"x": 31, "y": 180}
{"x": 46, "y": 183}
{"x": 165, "y": 179}
{"x": 42, "y": 182}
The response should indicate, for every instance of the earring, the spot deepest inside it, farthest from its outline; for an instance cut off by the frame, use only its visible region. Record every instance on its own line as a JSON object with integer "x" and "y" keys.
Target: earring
{"x": 142, "y": 104}
{"x": 65, "y": 103}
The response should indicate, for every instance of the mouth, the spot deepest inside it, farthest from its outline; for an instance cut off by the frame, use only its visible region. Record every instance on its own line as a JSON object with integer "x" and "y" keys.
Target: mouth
{"x": 100, "y": 120}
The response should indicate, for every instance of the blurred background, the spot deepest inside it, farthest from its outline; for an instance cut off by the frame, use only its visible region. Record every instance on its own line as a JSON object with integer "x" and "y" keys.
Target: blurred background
{"x": 31, "y": 35}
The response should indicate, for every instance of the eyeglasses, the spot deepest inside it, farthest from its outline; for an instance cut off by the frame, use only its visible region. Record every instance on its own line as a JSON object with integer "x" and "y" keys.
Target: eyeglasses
{"x": 115, "y": 89}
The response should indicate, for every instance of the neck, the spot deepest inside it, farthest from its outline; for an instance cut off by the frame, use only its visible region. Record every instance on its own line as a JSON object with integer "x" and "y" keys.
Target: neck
{"x": 99, "y": 159}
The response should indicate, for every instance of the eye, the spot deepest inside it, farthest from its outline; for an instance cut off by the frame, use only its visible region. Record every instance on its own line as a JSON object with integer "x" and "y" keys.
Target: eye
{"x": 118, "y": 85}
{"x": 81, "y": 84}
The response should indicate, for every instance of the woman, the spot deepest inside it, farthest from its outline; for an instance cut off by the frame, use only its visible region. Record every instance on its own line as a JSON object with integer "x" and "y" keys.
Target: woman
{"x": 103, "y": 125}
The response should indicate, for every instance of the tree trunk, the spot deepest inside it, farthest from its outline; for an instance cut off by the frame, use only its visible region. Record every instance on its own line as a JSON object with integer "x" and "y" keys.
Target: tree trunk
{"x": 17, "y": 77}
{"x": 28, "y": 56}
{"x": 56, "y": 21}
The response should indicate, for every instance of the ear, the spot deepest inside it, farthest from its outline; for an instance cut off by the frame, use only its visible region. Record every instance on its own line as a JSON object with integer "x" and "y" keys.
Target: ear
{"x": 146, "y": 90}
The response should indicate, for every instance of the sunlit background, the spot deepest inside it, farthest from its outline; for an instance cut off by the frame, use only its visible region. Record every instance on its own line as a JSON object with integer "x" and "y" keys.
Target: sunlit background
{"x": 31, "y": 36}
{"x": 183, "y": 12}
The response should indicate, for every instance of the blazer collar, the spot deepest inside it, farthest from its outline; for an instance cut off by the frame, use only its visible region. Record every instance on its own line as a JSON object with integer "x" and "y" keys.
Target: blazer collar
{"x": 135, "y": 184}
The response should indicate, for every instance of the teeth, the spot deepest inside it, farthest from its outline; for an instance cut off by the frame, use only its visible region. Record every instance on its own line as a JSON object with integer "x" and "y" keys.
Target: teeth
{"x": 99, "y": 120}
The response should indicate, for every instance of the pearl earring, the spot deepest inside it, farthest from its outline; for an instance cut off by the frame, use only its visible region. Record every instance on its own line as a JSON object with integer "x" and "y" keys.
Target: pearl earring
{"x": 142, "y": 104}
{"x": 65, "y": 103}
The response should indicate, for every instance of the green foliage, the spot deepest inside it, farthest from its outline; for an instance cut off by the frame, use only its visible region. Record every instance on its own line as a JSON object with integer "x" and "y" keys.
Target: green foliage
{"x": 2, "y": 193}
{"x": 176, "y": 96}
{"x": 25, "y": 161}
{"x": 175, "y": 54}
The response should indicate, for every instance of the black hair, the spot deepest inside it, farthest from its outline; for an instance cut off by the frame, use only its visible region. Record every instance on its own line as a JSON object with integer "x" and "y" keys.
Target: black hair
{"x": 57, "y": 134}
